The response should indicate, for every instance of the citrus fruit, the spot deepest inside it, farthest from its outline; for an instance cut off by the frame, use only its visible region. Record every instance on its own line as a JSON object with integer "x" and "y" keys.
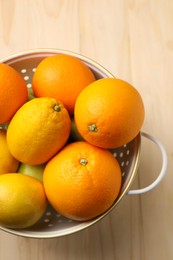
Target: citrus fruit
{"x": 7, "y": 162}
{"x": 35, "y": 171}
{"x": 109, "y": 113}
{"x": 62, "y": 77}
{"x": 13, "y": 92}
{"x": 74, "y": 133}
{"x": 38, "y": 130}
{"x": 22, "y": 200}
{"x": 30, "y": 94}
{"x": 82, "y": 181}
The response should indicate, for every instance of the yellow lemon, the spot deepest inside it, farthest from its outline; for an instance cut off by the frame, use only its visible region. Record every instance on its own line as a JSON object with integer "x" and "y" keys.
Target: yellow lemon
{"x": 35, "y": 171}
{"x": 7, "y": 162}
{"x": 38, "y": 130}
{"x": 74, "y": 133}
{"x": 22, "y": 200}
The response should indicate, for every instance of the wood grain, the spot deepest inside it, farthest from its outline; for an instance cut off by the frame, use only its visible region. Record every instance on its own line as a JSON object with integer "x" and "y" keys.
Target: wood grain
{"x": 134, "y": 40}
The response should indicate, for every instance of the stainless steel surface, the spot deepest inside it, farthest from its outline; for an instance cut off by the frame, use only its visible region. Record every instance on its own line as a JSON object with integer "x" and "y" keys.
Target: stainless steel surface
{"x": 52, "y": 224}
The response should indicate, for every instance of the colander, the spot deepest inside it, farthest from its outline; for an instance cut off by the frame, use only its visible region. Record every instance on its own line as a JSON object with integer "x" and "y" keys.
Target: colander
{"x": 53, "y": 224}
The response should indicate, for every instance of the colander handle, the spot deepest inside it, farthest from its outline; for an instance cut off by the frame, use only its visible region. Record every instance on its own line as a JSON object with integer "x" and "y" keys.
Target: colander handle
{"x": 163, "y": 168}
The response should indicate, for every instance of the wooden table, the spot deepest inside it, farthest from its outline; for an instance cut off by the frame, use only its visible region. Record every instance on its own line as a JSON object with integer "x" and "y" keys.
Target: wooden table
{"x": 133, "y": 39}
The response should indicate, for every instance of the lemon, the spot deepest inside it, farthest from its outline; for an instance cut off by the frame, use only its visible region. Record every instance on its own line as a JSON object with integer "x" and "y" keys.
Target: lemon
{"x": 30, "y": 94}
{"x": 35, "y": 171}
{"x": 7, "y": 162}
{"x": 22, "y": 200}
{"x": 74, "y": 133}
{"x": 38, "y": 130}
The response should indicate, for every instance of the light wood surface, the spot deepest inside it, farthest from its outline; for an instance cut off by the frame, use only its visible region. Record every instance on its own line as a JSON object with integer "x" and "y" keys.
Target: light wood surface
{"x": 133, "y": 39}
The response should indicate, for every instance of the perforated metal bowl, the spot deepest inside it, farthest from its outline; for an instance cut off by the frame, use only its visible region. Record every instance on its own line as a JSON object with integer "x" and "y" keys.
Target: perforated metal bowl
{"x": 53, "y": 224}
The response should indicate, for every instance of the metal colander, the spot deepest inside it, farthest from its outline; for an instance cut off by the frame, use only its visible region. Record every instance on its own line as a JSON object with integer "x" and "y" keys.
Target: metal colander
{"x": 53, "y": 224}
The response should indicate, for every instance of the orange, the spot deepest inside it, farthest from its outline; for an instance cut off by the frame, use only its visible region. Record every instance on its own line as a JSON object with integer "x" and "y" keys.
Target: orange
{"x": 13, "y": 92}
{"x": 62, "y": 77}
{"x": 109, "y": 113}
{"x": 82, "y": 181}
{"x": 7, "y": 162}
{"x": 38, "y": 130}
{"x": 22, "y": 200}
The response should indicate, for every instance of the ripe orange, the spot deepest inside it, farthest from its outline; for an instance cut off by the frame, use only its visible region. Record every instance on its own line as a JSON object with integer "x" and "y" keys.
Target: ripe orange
{"x": 62, "y": 77}
{"x": 109, "y": 113}
{"x": 13, "y": 92}
{"x": 38, "y": 130}
{"x": 82, "y": 181}
{"x": 22, "y": 200}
